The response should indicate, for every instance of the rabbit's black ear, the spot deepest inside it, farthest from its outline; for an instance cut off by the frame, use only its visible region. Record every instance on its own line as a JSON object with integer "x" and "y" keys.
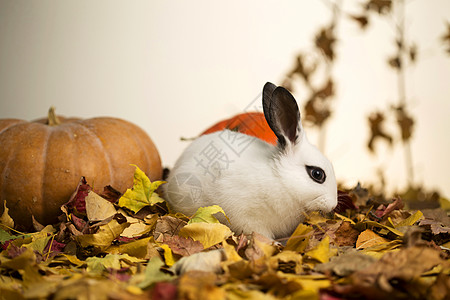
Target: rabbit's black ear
{"x": 282, "y": 114}
{"x": 267, "y": 98}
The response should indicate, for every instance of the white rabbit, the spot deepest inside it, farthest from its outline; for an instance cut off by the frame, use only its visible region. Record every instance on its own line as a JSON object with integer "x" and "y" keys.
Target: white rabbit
{"x": 261, "y": 187}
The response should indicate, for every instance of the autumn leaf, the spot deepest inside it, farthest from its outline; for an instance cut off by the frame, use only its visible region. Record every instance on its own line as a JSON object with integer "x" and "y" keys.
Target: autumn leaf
{"x": 168, "y": 256}
{"x": 199, "y": 285}
{"x": 152, "y": 274}
{"x": 77, "y": 200}
{"x": 105, "y": 234}
{"x": 209, "y": 234}
{"x": 368, "y": 238}
{"x": 347, "y": 263}
{"x": 206, "y": 214}
{"x": 142, "y": 194}
{"x": 322, "y": 252}
{"x": 183, "y": 246}
{"x": 5, "y": 219}
{"x": 299, "y": 239}
{"x": 97, "y": 208}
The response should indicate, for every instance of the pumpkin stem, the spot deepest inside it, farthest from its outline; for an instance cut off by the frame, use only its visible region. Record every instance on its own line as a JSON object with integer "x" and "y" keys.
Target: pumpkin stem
{"x": 52, "y": 119}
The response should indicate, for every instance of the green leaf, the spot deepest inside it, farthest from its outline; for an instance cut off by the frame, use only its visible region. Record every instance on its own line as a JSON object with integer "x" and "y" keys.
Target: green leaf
{"x": 98, "y": 264}
{"x": 153, "y": 273}
{"x": 4, "y": 236}
{"x": 142, "y": 194}
{"x": 206, "y": 214}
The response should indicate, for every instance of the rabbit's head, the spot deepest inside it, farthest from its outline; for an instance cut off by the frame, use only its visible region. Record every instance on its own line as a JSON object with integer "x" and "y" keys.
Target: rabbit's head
{"x": 305, "y": 172}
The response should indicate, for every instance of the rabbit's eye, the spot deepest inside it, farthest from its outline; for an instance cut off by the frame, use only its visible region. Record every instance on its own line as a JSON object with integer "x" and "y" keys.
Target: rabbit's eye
{"x": 316, "y": 174}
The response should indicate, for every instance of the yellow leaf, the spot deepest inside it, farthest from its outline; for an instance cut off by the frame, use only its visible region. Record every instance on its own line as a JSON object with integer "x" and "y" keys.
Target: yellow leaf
{"x": 237, "y": 292}
{"x": 98, "y": 208}
{"x": 411, "y": 219}
{"x": 20, "y": 262}
{"x": 104, "y": 236}
{"x": 5, "y": 219}
{"x": 142, "y": 193}
{"x": 368, "y": 238}
{"x": 444, "y": 203}
{"x": 299, "y": 239}
{"x": 322, "y": 252}
{"x": 284, "y": 259}
{"x": 141, "y": 248}
{"x": 206, "y": 214}
{"x": 70, "y": 258}
{"x": 380, "y": 249}
{"x": 209, "y": 234}
{"x": 343, "y": 218}
{"x": 168, "y": 256}
{"x": 376, "y": 224}
{"x": 315, "y": 218}
{"x": 99, "y": 264}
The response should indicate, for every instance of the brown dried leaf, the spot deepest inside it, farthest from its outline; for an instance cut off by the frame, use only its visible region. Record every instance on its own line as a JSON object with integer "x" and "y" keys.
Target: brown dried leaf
{"x": 345, "y": 235}
{"x": 397, "y": 271}
{"x": 167, "y": 226}
{"x": 183, "y": 246}
{"x": 347, "y": 263}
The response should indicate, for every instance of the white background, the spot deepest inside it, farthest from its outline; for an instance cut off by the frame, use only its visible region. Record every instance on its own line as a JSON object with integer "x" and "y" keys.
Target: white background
{"x": 177, "y": 67}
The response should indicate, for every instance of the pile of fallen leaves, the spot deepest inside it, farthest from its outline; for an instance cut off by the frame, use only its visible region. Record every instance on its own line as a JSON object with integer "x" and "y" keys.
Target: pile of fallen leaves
{"x": 113, "y": 246}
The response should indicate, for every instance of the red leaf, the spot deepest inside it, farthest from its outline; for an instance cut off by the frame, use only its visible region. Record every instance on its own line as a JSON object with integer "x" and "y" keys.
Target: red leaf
{"x": 164, "y": 291}
{"x": 77, "y": 200}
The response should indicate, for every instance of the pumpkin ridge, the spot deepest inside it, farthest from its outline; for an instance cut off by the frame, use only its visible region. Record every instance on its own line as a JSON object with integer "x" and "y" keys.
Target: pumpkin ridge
{"x": 104, "y": 149}
{"x": 44, "y": 203}
{"x": 9, "y": 126}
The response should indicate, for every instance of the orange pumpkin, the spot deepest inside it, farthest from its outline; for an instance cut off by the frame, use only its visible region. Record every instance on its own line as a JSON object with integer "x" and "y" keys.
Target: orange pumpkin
{"x": 41, "y": 162}
{"x": 251, "y": 123}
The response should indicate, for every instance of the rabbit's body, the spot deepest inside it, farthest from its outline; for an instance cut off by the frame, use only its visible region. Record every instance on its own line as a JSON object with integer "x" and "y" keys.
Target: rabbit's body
{"x": 263, "y": 188}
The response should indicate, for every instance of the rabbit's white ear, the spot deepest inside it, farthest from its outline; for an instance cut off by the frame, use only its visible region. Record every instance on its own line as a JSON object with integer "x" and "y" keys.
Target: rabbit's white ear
{"x": 282, "y": 113}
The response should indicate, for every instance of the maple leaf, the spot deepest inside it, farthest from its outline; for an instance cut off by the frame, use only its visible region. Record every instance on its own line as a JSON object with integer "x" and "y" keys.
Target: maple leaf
{"x": 142, "y": 194}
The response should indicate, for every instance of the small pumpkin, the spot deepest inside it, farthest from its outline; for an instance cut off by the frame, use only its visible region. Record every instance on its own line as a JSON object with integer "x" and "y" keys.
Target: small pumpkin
{"x": 251, "y": 123}
{"x": 41, "y": 162}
